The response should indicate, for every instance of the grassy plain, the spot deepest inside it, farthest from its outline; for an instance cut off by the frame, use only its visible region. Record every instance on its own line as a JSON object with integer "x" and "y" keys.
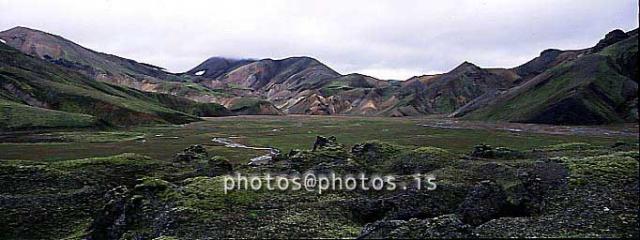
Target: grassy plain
{"x": 283, "y": 132}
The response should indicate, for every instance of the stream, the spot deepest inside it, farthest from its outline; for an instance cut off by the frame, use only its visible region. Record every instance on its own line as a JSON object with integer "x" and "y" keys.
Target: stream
{"x": 259, "y": 160}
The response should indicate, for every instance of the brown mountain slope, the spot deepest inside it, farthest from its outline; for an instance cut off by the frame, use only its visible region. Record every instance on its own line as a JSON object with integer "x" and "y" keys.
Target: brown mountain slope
{"x": 102, "y": 66}
{"x": 447, "y": 92}
{"x": 95, "y": 64}
{"x": 30, "y": 88}
{"x": 297, "y": 85}
{"x": 109, "y": 68}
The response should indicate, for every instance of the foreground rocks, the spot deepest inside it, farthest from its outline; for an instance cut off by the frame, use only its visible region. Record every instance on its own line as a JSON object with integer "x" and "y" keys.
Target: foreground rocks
{"x": 446, "y": 226}
{"x": 191, "y": 153}
{"x": 484, "y": 202}
{"x": 575, "y": 190}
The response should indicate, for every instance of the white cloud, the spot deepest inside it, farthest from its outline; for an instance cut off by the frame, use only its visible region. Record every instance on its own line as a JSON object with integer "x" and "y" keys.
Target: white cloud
{"x": 388, "y": 39}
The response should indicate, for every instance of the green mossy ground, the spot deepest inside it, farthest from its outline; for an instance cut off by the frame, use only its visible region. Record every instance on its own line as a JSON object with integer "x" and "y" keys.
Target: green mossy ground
{"x": 63, "y": 195}
{"x": 14, "y": 116}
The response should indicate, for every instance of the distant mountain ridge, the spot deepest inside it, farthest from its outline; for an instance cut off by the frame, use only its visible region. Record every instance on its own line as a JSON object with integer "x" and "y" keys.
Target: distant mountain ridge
{"x": 304, "y": 85}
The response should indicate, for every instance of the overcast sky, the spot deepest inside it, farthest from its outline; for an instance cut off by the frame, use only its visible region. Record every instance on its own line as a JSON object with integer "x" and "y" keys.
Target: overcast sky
{"x": 386, "y": 39}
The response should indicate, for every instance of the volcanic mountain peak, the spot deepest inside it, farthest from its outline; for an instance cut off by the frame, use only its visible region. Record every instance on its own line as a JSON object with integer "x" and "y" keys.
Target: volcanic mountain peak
{"x": 36, "y": 42}
{"x": 216, "y": 66}
{"x": 64, "y": 52}
{"x": 301, "y": 63}
{"x": 26, "y": 30}
{"x": 465, "y": 67}
{"x": 265, "y": 74}
{"x": 610, "y": 39}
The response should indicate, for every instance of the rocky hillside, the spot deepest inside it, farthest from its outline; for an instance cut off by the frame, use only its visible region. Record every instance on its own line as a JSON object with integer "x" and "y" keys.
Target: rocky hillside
{"x": 37, "y": 94}
{"x": 592, "y": 86}
{"x": 447, "y": 92}
{"x": 106, "y": 67}
{"x": 69, "y": 54}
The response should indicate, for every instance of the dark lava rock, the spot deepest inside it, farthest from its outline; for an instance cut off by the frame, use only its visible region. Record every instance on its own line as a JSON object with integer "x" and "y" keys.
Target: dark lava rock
{"x": 483, "y": 151}
{"x": 486, "y": 151}
{"x": 184, "y": 157}
{"x": 375, "y": 153}
{"x": 126, "y": 210}
{"x": 380, "y": 229}
{"x": 325, "y": 143}
{"x": 535, "y": 184}
{"x": 193, "y": 152}
{"x": 112, "y": 220}
{"x": 485, "y": 201}
{"x": 406, "y": 204}
{"x": 446, "y": 226}
{"x": 368, "y": 210}
{"x": 294, "y": 153}
{"x": 215, "y": 166}
{"x": 412, "y": 163}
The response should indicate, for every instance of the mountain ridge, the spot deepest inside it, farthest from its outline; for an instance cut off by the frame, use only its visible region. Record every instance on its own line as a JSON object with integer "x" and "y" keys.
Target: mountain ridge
{"x": 37, "y": 94}
{"x": 597, "y": 86}
{"x": 304, "y": 85}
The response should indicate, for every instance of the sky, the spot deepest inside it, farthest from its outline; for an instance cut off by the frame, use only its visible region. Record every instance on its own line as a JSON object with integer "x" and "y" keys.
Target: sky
{"x": 394, "y": 39}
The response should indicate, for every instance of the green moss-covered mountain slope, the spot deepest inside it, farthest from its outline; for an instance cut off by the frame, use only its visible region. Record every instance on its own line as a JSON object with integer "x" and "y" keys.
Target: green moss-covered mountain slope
{"x": 599, "y": 86}
{"x": 29, "y": 81}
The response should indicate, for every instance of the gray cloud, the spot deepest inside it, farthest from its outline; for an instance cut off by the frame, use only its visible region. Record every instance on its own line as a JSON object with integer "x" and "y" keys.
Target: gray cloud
{"x": 386, "y": 39}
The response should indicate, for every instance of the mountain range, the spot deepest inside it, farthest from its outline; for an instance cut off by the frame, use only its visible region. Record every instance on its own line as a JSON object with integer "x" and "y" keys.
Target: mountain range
{"x": 47, "y": 75}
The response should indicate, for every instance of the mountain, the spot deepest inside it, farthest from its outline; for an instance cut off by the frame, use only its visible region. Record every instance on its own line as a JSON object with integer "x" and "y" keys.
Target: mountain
{"x": 113, "y": 69}
{"x": 296, "y": 85}
{"x": 556, "y": 87}
{"x": 592, "y": 86}
{"x": 444, "y": 93}
{"x": 265, "y": 75}
{"x": 303, "y": 85}
{"x": 600, "y": 81}
{"x": 105, "y": 67}
{"x": 37, "y": 94}
{"x": 354, "y": 94}
{"x": 69, "y": 54}
{"x": 216, "y": 66}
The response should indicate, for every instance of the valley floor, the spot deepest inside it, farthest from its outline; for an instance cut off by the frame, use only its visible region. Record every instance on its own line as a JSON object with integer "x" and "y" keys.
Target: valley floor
{"x": 151, "y": 181}
{"x": 298, "y": 131}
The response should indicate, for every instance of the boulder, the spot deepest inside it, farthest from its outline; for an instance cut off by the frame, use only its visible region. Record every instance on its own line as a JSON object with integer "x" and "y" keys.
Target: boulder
{"x": 368, "y": 210}
{"x": 215, "y": 166}
{"x": 486, "y": 201}
{"x": 113, "y": 219}
{"x": 375, "y": 153}
{"x": 487, "y": 151}
{"x": 539, "y": 181}
{"x": 325, "y": 143}
{"x": 380, "y": 229}
{"x": 445, "y": 226}
{"x": 191, "y": 153}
